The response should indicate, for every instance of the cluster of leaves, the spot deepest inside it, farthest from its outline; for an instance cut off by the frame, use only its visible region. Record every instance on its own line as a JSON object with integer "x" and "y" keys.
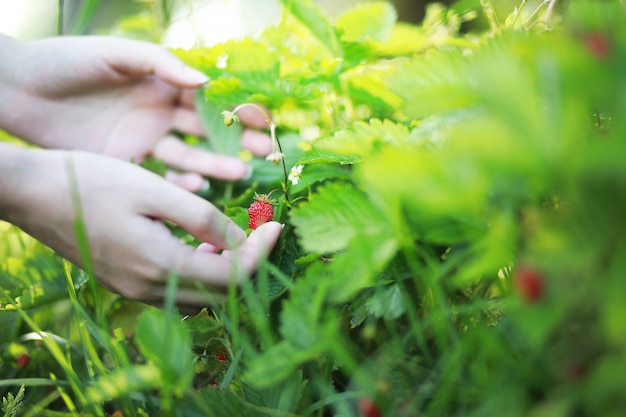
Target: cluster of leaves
{"x": 453, "y": 246}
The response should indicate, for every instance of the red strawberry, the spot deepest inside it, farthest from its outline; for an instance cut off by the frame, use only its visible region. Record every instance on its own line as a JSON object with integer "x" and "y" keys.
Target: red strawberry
{"x": 261, "y": 211}
{"x": 23, "y": 360}
{"x": 597, "y": 44}
{"x": 368, "y": 408}
{"x": 529, "y": 283}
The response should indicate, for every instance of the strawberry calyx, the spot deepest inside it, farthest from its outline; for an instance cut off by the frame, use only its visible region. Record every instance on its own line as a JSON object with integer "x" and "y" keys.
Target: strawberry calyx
{"x": 264, "y": 198}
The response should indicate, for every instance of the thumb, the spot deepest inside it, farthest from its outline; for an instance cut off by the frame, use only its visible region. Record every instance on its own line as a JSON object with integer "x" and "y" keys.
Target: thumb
{"x": 139, "y": 58}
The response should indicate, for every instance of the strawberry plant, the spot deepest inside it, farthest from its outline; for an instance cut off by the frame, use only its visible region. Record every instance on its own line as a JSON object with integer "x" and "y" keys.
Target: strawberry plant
{"x": 452, "y": 195}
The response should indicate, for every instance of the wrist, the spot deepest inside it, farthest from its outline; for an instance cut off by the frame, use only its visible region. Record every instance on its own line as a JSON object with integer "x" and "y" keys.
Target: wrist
{"x": 11, "y": 93}
{"x": 22, "y": 171}
{"x": 14, "y": 161}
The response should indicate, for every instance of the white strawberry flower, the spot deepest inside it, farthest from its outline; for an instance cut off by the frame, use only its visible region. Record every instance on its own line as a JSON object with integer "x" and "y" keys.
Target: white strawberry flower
{"x": 294, "y": 174}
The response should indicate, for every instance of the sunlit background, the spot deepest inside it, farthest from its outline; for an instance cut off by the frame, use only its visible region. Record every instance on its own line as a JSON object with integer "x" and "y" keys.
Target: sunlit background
{"x": 190, "y": 22}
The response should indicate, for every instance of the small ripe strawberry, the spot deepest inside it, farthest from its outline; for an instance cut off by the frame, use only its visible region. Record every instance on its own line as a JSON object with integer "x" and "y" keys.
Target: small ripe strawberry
{"x": 529, "y": 283}
{"x": 261, "y": 211}
{"x": 597, "y": 44}
{"x": 23, "y": 360}
{"x": 368, "y": 408}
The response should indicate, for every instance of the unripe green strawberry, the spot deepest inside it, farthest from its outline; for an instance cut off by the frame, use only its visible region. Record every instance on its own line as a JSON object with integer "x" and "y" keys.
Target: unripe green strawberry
{"x": 229, "y": 117}
{"x": 202, "y": 365}
{"x": 261, "y": 211}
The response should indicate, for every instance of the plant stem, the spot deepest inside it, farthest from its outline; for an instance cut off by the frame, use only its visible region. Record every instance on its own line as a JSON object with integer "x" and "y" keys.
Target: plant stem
{"x": 518, "y": 11}
{"x": 543, "y": 3}
{"x": 286, "y": 183}
{"x": 60, "y": 18}
{"x": 275, "y": 141}
{"x": 549, "y": 12}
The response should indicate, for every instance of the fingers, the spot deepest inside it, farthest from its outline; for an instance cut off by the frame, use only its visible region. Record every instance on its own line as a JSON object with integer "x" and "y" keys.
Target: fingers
{"x": 187, "y": 98}
{"x": 194, "y": 214}
{"x": 204, "y": 265}
{"x": 178, "y": 155}
{"x": 256, "y": 142}
{"x": 253, "y": 117}
{"x": 257, "y": 247}
{"x": 189, "y": 181}
{"x": 214, "y": 271}
{"x": 137, "y": 58}
{"x": 187, "y": 120}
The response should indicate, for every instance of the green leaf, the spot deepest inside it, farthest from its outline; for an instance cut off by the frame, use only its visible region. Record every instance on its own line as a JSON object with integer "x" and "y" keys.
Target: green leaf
{"x": 30, "y": 273}
{"x": 440, "y": 196}
{"x": 313, "y": 18}
{"x": 165, "y": 341}
{"x": 404, "y": 39}
{"x": 369, "y": 21}
{"x": 279, "y": 362}
{"x": 358, "y": 266}
{"x": 334, "y": 216}
{"x": 12, "y": 406}
{"x": 362, "y": 139}
{"x": 379, "y": 302}
{"x": 154, "y": 165}
{"x": 239, "y": 215}
{"x": 368, "y": 86}
{"x": 218, "y": 403}
{"x": 124, "y": 381}
{"x": 221, "y": 138}
{"x": 320, "y": 156}
{"x": 302, "y": 313}
{"x": 283, "y": 397}
{"x": 432, "y": 85}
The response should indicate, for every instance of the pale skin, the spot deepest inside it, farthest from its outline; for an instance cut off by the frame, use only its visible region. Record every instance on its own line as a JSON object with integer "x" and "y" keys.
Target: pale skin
{"x": 93, "y": 106}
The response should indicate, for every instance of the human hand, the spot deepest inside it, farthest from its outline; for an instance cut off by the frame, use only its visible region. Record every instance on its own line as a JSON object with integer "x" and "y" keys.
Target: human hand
{"x": 124, "y": 207}
{"x": 117, "y": 97}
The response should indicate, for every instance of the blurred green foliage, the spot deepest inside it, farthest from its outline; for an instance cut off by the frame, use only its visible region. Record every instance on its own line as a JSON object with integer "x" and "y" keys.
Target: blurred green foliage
{"x": 438, "y": 165}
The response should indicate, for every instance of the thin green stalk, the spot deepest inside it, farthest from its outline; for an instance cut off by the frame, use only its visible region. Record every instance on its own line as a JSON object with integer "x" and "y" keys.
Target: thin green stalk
{"x": 543, "y": 3}
{"x": 549, "y": 12}
{"x": 89, "y": 352}
{"x": 32, "y": 382}
{"x": 55, "y": 350}
{"x": 85, "y": 16}
{"x": 517, "y": 12}
{"x": 331, "y": 399}
{"x": 83, "y": 243}
{"x": 38, "y": 408}
{"x": 257, "y": 312}
{"x": 61, "y": 17}
{"x": 277, "y": 150}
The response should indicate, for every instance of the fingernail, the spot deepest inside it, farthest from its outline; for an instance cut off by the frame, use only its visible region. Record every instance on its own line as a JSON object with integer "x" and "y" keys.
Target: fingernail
{"x": 235, "y": 237}
{"x": 196, "y": 76}
{"x": 206, "y": 185}
{"x": 282, "y": 225}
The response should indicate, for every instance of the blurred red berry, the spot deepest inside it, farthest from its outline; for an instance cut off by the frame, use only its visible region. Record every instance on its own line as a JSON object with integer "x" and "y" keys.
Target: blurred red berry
{"x": 23, "y": 360}
{"x": 221, "y": 356}
{"x": 597, "y": 44}
{"x": 368, "y": 408}
{"x": 529, "y": 283}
